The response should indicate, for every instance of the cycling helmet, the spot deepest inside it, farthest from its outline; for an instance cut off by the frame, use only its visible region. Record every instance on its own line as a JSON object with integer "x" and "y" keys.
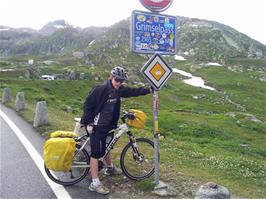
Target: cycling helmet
{"x": 119, "y": 73}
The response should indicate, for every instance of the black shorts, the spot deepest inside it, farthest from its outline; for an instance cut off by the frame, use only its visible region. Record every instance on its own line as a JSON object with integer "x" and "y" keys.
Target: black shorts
{"x": 98, "y": 140}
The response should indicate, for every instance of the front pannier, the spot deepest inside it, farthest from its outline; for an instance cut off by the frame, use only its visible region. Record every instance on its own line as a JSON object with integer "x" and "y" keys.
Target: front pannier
{"x": 139, "y": 121}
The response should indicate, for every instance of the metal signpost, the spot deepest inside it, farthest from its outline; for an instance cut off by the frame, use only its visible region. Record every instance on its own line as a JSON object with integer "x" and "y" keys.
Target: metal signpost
{"x": 153, "y": 33}
{"x": 157, "y": 72}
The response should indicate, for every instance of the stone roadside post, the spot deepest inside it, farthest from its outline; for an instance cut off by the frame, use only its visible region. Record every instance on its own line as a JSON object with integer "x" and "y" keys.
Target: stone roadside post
{"x": 41, "y": 114}
{"x": 20, "y": 102}
{"x": 6, "y": 95}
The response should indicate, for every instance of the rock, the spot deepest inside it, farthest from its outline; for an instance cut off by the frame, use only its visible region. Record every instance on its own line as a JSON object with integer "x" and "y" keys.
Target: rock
{"x": 163, "y": 189}
{"x": 78, "y": 54}
{"x": 212, "y": 190}
{"x": 41, "y": 116}
{"x": 231, "y": 114}
{"x": 72, "y": 75}
{"x": 33, "y": 72}
{"x": 20, "y": 102}
{"x": 6, "y": 95}
{"x": 82, "y": 76}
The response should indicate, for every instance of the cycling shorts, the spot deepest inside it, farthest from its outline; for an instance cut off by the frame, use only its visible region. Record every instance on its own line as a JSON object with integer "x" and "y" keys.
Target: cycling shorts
{"x": 99, "y": 140}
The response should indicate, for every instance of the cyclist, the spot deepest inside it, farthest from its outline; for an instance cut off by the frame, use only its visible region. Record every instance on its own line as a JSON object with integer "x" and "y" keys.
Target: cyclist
{"x": 101, "y": 112}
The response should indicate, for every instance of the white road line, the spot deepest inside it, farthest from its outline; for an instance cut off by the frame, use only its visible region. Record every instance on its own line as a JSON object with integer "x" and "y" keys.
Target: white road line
{"x": 58, "y": 190}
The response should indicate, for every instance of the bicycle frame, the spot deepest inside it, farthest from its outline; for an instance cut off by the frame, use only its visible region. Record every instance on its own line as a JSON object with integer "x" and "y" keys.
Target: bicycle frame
{"x": 123, "y": 128}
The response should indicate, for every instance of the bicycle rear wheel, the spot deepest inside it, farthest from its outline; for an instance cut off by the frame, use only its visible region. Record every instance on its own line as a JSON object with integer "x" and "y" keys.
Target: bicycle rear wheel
{"x": 79, "y": 170}
{"x": 138, "y": 167}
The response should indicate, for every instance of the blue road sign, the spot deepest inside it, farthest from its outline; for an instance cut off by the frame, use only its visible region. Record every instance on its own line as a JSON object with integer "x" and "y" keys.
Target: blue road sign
{"x": 153, "y": 33}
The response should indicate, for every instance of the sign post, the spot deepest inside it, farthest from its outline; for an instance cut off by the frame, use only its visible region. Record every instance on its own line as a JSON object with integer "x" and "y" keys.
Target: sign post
{"x": 157, "y": 72}
{"x": 153, "y": 33}
{"x": 156, "y": 137}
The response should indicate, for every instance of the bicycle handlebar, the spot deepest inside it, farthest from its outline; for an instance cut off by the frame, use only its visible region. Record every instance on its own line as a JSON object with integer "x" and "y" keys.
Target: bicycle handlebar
{"x": 127, "y": 115}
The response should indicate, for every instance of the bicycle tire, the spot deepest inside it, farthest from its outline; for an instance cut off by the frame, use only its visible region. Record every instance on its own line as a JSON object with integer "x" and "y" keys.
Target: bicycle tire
{"x": 80, "y": 168}
{"x": 133, "y": 168}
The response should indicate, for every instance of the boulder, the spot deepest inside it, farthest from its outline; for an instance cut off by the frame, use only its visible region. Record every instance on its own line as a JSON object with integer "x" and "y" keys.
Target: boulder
{"x": 212, "y": 190}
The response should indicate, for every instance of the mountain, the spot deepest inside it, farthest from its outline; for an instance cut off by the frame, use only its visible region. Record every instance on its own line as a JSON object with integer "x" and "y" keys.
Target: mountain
{"x": 54, "y": 38}
{"x": 198, "y": 39}
{"x": 205, "y": 39}
{"x": 53, "y": 26}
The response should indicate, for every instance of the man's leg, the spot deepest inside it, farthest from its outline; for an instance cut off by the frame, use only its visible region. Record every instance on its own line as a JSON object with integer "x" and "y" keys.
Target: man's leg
{"x": 108, "y": 159}
{"x": 96, "y": 152}
{"x": 111, "y": 169}
{"x": 94, "y": 168}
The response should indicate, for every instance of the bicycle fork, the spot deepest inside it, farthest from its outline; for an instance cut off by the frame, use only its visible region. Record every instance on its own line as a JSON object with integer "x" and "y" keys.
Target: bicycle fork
{"x": 138, "y": 157}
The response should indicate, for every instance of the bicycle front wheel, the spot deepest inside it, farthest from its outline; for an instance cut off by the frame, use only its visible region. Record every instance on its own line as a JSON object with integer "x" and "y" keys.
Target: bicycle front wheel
{"x": 138, "y": 165}
{"x": 79, "y": 170}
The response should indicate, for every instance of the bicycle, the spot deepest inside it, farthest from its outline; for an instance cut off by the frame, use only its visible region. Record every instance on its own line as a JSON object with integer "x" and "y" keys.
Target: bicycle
{"x": 136, "y": 158}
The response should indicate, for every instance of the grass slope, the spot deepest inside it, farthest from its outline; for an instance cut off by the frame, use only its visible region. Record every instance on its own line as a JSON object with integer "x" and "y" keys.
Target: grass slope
{"x": 206, "y": 135}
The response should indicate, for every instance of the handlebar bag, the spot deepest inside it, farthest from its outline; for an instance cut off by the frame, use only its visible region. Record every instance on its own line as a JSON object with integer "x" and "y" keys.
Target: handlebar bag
{"x": 139, "y": 121}
{"x": 59, "y": 153}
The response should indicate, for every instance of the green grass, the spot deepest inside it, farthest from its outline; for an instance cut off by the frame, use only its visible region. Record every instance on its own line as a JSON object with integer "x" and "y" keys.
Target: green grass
{"x": 208, "y": 137}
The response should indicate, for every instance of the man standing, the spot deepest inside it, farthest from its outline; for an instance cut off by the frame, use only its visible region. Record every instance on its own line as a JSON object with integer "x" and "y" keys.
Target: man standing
{"x": 101, "y": 111}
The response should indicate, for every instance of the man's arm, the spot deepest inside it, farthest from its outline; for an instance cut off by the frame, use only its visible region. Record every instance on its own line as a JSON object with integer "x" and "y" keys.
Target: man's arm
{"x": 88, "y": 108}
{"x": 133, "y": 92}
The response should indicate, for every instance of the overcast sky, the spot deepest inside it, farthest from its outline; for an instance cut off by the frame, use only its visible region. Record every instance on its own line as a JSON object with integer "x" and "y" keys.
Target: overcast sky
{"x": 246, "y": 16}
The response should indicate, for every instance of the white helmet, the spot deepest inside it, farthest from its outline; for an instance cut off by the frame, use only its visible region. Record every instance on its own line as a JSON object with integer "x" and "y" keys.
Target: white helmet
{"x": 119, "y": 73}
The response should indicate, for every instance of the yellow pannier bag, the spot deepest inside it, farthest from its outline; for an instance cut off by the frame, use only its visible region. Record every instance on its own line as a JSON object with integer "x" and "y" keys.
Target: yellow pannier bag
{"x": 59, "y": 153}
{"x": 139, "y": 121}
{"x": 63, "y": 134}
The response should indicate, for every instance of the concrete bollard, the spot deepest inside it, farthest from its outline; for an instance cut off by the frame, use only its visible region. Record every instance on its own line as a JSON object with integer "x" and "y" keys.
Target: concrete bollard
{"x": 212, "y": 190}
{"x": 6, "y": 95}
{"x": 41, "y": 115}
{"x": 20, "y": 102}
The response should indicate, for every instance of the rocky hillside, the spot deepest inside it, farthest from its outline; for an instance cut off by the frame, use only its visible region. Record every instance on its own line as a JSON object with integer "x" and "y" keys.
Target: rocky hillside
{"x": 54, "y": 38}
{"x": 204, "y": 39}
{"x": 199, "y": 39}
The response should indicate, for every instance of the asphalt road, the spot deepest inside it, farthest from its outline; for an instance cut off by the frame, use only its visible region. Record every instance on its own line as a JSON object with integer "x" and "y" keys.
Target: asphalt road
{"x": 21, "y": 164}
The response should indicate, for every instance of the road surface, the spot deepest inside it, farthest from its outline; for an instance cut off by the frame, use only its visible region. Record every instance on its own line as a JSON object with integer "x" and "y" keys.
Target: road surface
{"x": 21, "y": 164}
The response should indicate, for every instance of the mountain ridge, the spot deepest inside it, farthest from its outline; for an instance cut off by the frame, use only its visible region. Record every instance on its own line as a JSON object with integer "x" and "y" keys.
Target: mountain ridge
{"x": 200, "y": 39}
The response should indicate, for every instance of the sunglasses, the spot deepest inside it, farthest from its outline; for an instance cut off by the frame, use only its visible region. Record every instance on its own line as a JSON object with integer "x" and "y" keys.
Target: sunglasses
{"x": 119, "y": 80}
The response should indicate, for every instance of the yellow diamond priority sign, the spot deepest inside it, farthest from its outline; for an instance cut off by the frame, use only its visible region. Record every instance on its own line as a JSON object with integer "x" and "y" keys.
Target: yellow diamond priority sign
{"x": 156, "y": 71}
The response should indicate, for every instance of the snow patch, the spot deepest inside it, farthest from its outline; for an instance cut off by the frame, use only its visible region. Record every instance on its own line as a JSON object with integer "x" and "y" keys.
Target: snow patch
{"x": 6, "y": 70}
{"x": 213, "y": 64}
{"x": 59, "y": 26}
{"x": 178, "y": 57}
{"x": 91, "y": 42}
{"x": 193, "y": 81}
